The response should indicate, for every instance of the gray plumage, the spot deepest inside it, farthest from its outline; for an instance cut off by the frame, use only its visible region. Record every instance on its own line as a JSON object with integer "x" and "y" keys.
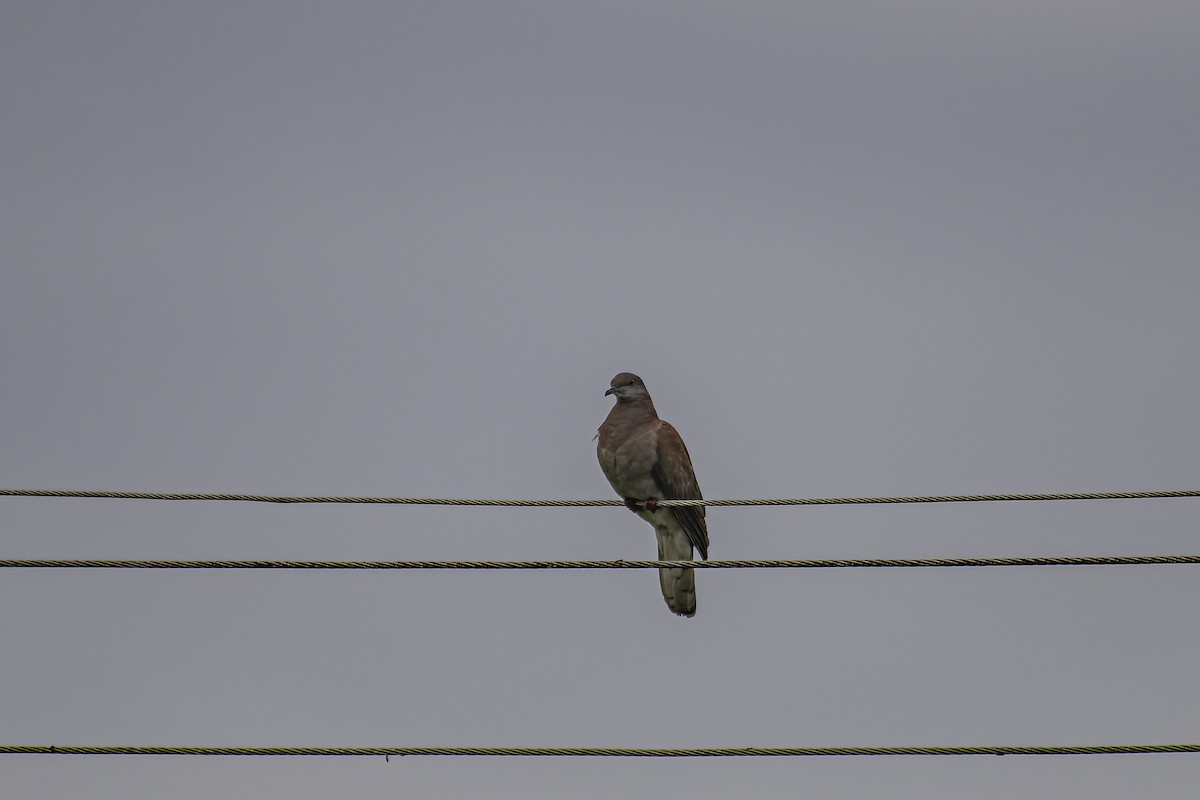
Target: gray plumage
{"x": 645, "y": 460}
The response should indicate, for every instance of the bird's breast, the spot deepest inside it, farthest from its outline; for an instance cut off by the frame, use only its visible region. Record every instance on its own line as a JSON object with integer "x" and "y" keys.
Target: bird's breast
{"x": 628, "y": 468}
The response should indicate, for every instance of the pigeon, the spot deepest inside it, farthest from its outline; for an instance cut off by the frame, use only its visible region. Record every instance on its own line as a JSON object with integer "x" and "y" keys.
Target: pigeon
{"x": 645, "y": 460}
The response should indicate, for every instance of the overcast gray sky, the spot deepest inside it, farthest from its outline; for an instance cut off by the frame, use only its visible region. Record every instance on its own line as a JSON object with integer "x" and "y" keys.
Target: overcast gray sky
{"x": 401, "y": 248}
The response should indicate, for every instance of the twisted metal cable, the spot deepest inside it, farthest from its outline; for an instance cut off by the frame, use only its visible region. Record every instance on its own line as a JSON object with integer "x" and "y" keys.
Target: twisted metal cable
{"x": 1035, "y": 561}
{"x": 448, "y": 501}
{"x": 608, "y": 752}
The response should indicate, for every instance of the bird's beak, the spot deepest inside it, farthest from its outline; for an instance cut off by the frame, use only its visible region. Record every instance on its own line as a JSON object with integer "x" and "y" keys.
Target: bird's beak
{"x": 611, "y": 391}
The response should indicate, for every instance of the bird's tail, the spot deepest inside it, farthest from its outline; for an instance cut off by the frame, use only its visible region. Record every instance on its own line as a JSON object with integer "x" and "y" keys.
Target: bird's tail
{"x": 678, "y": 584}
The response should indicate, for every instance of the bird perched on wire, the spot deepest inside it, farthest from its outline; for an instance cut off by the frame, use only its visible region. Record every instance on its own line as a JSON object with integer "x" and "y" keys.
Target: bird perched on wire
{"x": 645, "y": 460}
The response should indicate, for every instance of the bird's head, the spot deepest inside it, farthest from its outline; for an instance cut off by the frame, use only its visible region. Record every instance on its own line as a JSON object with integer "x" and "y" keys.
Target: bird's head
{"x": 627, "y": 386}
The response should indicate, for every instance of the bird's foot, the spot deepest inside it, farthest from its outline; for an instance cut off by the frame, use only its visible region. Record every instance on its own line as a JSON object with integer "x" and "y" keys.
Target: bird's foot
{"x": 632, "y": 504}
{"x": 651, "y": 503}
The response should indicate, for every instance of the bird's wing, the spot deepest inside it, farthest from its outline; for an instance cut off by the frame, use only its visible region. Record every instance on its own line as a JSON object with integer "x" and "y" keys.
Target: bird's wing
{"x": 674, "y": 475}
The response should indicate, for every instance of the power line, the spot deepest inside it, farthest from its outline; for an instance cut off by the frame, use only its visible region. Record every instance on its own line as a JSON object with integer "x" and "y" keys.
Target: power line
{"x": 1034, "y": 561}
{"x": 608, "y": 752}
{"x": 447, "y": 501}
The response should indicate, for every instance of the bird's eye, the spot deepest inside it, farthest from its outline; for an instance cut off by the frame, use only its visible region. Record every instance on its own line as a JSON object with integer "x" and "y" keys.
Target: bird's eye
{"x": 629, "y": 384}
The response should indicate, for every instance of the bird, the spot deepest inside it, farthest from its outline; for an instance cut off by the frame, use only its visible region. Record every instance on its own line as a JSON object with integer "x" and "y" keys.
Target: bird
{"x": 645, "y": 460}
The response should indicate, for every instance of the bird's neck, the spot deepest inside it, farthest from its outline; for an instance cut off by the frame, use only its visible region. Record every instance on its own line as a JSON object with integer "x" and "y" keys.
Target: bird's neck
{"x": 640, "y": 408}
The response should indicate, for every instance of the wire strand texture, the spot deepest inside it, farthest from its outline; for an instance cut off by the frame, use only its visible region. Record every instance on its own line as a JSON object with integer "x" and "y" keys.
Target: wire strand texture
{"x": 1033, "y": 561}
{"x": 448, "y": 501}
{"x": 608, "y": 752}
